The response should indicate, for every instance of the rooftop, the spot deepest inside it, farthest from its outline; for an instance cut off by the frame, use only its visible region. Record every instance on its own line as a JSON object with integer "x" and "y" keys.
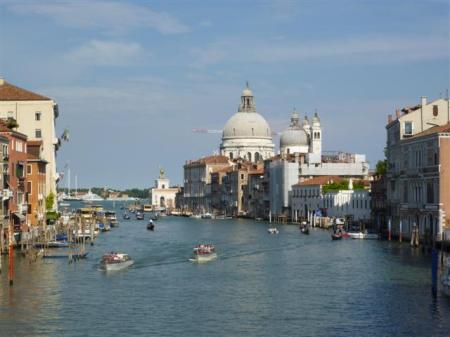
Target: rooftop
{"x": 9, "y": 92}
{"x": 322, "y": 180}
{"x": 210, "y": 160}
{"x": 433, "y": 130}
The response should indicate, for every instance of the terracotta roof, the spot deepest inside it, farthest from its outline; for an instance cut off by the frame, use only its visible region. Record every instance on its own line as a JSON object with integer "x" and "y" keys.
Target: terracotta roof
{"x": 434, "y": 129}
{"x": 9, "y": 92}
{"x": 210, "y": 160}
{"x": 322, "y": 180}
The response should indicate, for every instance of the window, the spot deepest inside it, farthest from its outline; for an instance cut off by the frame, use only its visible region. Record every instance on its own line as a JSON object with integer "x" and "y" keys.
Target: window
{"x": 29, "y": 187}
{"x": 435, "y": 110}
{"x": 37, "y": 116}
{"x": 28, "y": 169}
{"x": 38, "y": 133}
{"x": 430, "y": 192}
{"x": 231, "y": 155}
{"x": 408, "y": 128}
{"x": 242, "y": 176}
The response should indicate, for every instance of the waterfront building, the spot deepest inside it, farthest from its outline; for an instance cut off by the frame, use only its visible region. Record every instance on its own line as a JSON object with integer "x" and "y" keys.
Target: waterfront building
{"x": 378, "y": 192}
{"x": 5, "y": 192}
{"x": 418, "y": 169}
{"x": 247, "y": 134}
{"x": 197, "y": 181}
{"x": 162, "y": 196}
{"x": 331, "y": 196}
{"x": 35, "y": 115}
{"x": 36, "y": 183}
{"x": 15, "y": 179}
{"x": 254, "y": 193}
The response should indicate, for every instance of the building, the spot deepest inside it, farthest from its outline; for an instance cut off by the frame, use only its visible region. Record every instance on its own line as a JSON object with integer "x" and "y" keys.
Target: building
{"x": 417, "y": 161}
{"x": 15, "y": 179}
{"x": 36, "y": 183}
{"x": 162, "y": 196}
{"x": 247, "y": 134}
{"x": 378, "y": 192}
{"x": 5, "y": 192}
{"x": 330, "y": 196}
{"x": 35, "y": 115}
{"x": 197, "y": 182}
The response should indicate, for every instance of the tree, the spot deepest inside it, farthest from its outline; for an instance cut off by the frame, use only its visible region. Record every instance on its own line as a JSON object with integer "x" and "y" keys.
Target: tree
{"x": 380, "y": 169}
{"x": 50, "y": 201}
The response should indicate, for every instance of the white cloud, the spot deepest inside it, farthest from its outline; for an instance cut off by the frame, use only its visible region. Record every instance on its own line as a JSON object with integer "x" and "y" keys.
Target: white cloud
{"x": 369, "y": 49}
{"x": 110, "y": 16}
{"x": 105, "y": 53}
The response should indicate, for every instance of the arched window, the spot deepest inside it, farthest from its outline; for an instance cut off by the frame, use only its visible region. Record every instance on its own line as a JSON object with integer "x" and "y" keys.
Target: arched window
{"x": 288, "y": 151}
{"x": 257, "y": 157}
{"x": 234, "y": 132}
{"x": 249, "y": 156}
{"x": 231, "y": 155}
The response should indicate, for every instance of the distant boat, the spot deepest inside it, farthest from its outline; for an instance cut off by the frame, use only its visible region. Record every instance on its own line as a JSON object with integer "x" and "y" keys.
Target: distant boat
{"x": 273, "y": 230}
{"x": 89, "y": 196}
{"x": 206, "y": 216}
{"x": 139, "y": 216}
{"x": 126, "y": 216}
{"x": 363, "y": 236}
{"x": 151, "y": 225}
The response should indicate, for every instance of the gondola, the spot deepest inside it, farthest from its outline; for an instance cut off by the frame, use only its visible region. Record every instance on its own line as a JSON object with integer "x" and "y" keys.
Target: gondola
{"x": 304, "y": 230}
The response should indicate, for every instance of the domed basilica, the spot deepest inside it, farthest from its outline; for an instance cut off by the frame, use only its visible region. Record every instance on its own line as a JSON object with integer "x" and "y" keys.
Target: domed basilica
{"x": 247, "y": 134}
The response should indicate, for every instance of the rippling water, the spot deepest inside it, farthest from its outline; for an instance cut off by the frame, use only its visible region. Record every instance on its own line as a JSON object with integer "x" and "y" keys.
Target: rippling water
{"x": 261, "y": 285}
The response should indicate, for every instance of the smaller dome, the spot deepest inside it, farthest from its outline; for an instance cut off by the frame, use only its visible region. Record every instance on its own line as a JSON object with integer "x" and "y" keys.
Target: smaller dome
{"x": 247, "y": 92}
{"x": 293, "y": 137}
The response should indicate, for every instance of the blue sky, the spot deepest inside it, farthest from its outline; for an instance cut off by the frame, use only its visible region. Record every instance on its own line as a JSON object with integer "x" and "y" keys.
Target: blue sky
{"x": 133, "y": 78}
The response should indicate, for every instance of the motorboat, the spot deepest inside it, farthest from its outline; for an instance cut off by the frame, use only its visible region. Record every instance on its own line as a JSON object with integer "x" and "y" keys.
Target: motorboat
{"x": 203, "y": 253}
{"x": 112, "y": 218}
{"x": 139, "y": 216}
{"x": 363, "y": 235}
{"x": 151, "y": 225}
{"x": 196, "y": 216}
{"x": 305, "y": 230}
{"x": 445, "y": 280}
{"x": 115, "y": 261}
{"x": 52, "y": 244}
{"x": 207, "y": 216}
{"x": 273, "y": 230}
{"x": 126, "y": 216}
{"x": 88, "y": 197}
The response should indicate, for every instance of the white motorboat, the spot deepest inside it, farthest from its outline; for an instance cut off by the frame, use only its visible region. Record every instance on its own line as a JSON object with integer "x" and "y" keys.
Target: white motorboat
{"x": 91, "y": 197}
{"x": 116, "y": 261}
{"x": 204, "y": 253}
{"x": 196, "y": 216}
{"x": 363, "y": 236}
{"x": 273, "y": 230}
{"x": 207, "y": 216}
{"x": 445, "y": 280}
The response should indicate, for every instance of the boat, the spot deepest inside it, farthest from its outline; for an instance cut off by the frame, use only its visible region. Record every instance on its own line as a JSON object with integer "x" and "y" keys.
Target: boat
{"x": 89, "y": 196}
{"x": 196, "y": 216}
{"x": 151, "y": 225}
{"x": 445, "y": 280}
{"x": 363, "y": 235}
{"x": 112, "y": 218}
{"x": 52, "y": 244}
{"x": 305, "y": 230}
{"x": 126, "y": 216}
{"x": 206, "y": 216}
{"x": 139, "y": 216}
{"x": 75, "y": 256}
{"x": 115, "y": 261}
{"x": 204, "y": 253}
{"x": 273, "y": 230}
{"x": 336, "y": 236}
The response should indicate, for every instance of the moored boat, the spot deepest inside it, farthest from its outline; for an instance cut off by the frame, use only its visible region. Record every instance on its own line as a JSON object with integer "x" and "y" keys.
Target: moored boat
{"x": 204, "y": 253}
{"x": 362, "y": 236}
{"x": 116, "y": 261}
{"x": 273, "y": 230}
{"x": 445, "y": 280}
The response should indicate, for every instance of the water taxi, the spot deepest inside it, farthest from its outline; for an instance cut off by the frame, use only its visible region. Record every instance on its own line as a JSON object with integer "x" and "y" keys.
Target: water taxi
{"x": 115, "y": 261}
{"x": 204, "y": 253}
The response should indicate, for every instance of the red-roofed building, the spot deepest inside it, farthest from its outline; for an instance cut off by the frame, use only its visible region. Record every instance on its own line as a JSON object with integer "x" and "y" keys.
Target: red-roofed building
{"x": 15, "y": 178}
{"x": 35, "y": 115}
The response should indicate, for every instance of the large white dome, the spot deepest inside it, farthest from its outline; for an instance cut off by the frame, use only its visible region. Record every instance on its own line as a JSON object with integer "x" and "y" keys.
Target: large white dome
{"x": 246, "y": 125}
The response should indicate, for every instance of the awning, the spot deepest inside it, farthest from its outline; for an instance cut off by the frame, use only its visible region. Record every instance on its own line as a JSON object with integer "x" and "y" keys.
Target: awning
{"x": 20, "y": 216}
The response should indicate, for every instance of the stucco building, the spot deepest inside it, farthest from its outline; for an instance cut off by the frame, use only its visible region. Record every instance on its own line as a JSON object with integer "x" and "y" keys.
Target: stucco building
{"x": 418, "y": 168}
{"x": 36, "y": 116}
{"x": 36, "y": 183}
{"x": 162, "y": 196}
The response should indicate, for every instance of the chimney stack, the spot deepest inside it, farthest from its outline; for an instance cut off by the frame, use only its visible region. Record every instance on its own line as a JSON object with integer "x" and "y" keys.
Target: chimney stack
{"x": 423, "y": 101}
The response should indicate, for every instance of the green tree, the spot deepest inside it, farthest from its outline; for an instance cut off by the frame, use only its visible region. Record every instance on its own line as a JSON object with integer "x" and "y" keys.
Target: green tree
{"x": 50, "y": 201}
{"x": 380, "y": 168}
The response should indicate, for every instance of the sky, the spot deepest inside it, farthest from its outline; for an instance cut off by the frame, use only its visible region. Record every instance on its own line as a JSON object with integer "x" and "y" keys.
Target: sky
{"x": 133, "y": 78}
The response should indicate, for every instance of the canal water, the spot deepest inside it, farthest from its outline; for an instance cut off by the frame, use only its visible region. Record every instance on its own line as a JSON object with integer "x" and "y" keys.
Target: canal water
{"x": 261, "y": 285}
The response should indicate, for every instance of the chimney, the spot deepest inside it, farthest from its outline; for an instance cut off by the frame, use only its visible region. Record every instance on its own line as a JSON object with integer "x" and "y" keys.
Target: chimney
{"x": 397, "y": 113}
{"x": 389, "y": 119}
{"x": 423, "y": 101}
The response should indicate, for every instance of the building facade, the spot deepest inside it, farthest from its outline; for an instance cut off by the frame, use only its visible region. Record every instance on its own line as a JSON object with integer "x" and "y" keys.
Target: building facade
{"x": 417, "y": 169}
{"x": 36, "y": 183}
{"x": 162, "y": 196}
{"x": 36, "y": 116}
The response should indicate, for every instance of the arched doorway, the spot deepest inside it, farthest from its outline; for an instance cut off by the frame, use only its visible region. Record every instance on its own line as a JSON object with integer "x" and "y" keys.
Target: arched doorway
{"x": 162, "y": 202}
